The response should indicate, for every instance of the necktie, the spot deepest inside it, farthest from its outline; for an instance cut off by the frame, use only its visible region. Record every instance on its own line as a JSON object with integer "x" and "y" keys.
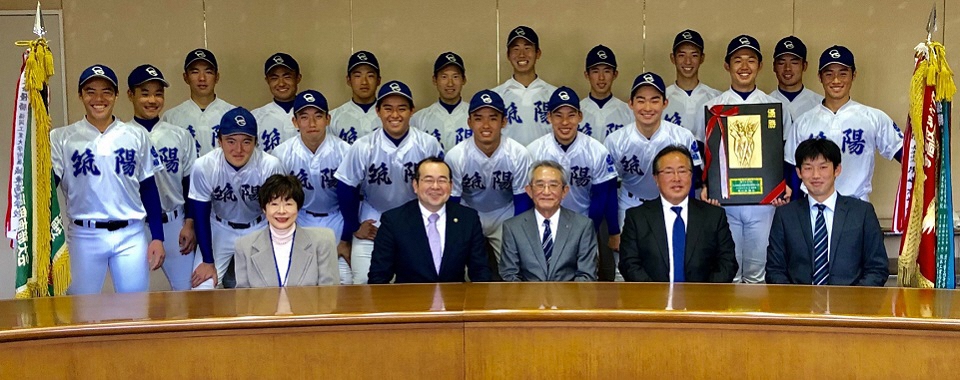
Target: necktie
{"x": 679, "y": 245}
{"x": 547, "y": 242}
{"x": 820, "y": 263}
{"x": 433, "y": 235}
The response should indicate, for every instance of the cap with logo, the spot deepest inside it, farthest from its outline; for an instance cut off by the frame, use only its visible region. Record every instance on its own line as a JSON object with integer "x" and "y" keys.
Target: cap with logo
{"x": 238, "y": 120}
{"x": 447, "y": 59}
{"x": 145, "y": 73}
{"x": 280, "y": 59}
{"x": 363, "y": 58}
{"x": 487, "y": 99}
{"x": 310, "y": 98}
{"x": 563, "y": 97}
{"x": 200, "y": 55}
{"x": 837, "y": 54}
{"x": 524, "y": 32}
{"x": 601, "y": 55}
{"x": 98, "y": 71}
{"x": 790, "y": 45}
{"x": 394, "y": 87}
{"x": 688, "y": 36}
{"x": 648, "y": 79}
{"x": 743, "y": 41}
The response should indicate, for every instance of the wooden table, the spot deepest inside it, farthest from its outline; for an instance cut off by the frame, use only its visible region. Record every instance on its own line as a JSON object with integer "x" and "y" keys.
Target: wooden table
{"x": 488, "y": 331}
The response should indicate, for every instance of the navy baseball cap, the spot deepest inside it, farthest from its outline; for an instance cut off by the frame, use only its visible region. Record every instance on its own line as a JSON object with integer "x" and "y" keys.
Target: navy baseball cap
{"x": 363, "y": 58}
{"x": 145, "y": 73}
{"x": 310, "y": 98}
{"x": 743, "y": 41}
{"x": 601, "y": 55}
{"x": 238, "y": 120}
{"x": 648, "y": 79}
{"x": 562, "y": 97}
{"x": 688, "y": 36}
{"x": 98, "y": 71}
{"x": 489, "y": 99}
{"x": 837, "y": 54}
{"x": 790, "y": 45}
{"x": 200, "y": 55}
{"x": 280, "y": 59}
{"x": 394, "y": 87}
{"x": 524, "y": 32}
{"x": 447, "y": 59}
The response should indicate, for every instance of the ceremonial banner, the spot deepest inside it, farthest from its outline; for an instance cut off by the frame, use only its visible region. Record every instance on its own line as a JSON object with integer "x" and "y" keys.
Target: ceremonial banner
{"x": 743, "y": 156}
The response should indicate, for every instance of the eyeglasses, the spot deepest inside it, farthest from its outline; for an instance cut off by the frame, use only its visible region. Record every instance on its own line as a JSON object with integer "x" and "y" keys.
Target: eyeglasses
{"x": 430, "y": 181}
{"x": 683, "y": 172}
{"x": 541, "y": 186}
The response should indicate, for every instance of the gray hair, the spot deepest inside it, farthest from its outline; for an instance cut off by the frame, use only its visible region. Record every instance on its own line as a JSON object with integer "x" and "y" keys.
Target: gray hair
{"x": 549, "y": 164}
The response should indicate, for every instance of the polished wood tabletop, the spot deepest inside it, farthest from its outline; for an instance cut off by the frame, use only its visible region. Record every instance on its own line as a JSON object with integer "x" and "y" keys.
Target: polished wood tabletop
{"x": 91, "y": 315}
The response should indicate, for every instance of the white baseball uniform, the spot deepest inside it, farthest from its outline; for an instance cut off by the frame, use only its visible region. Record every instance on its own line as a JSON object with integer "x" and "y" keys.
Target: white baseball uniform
{"x": 805, "y": 101}
{"x": 601, "y": 122}
{"x": 100, "y": 176}
{"x": 588, "y": 162}
{"x": 349, "y": 122}
{"x": 384, "y": 172}
{"x": 274, "y": 126}
{"x": 526, "y": 109}
{"x": 859, "y": 130}
{"x": 683, "y": 109}
{"x": 202, "y": 124}
{"x": 450, "y": 128}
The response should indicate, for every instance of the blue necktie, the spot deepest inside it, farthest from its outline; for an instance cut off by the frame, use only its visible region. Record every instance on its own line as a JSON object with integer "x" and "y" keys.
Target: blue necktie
{"x": 547, "y": 242}
{"x": 821, "y": 270}
{"x": 679, "y": 245}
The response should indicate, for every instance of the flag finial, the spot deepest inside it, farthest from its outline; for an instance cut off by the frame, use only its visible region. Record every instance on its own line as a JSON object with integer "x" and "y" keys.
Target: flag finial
{"x": 38, "y": 28}
{"x": 932, "y": 22}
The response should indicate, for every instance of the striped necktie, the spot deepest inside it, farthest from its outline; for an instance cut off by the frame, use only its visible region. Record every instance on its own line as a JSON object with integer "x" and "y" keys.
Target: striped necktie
{"x": 821, "y": 272}
{"x": 547, "y": 241}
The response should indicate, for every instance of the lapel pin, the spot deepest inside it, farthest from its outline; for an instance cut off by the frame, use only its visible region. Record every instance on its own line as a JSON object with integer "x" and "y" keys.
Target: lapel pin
{"x": 455, "y": 220}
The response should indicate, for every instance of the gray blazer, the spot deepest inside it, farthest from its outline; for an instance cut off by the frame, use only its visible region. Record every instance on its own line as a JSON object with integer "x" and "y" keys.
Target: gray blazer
{"x": 574, "y": 249}
{"x": 314, "y": 259}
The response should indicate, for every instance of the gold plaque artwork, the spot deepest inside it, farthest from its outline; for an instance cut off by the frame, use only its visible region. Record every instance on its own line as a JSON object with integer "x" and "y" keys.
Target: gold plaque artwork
{"x": 745, "y": 151}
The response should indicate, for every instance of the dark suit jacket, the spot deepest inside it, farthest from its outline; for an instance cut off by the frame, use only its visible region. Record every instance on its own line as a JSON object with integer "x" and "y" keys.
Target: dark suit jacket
{"x": 709, "y": 254}
{"x": 857, "y": 254}
{"x": 401, "y": 247}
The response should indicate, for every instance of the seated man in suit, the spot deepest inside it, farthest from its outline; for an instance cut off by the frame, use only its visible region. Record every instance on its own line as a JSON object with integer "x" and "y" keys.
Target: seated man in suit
{"x": 550, "y": 242}
{"x": 429, "y": 239}
{"x": 676, "y": 238}
{"x": 825, "y": 238}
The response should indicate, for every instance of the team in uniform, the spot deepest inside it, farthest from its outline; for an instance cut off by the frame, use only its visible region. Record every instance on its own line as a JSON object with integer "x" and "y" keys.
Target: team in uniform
{"x": 603, "y": 113}
{"x": 688, "y": 94}
{"x": 525, "y": 95}
{"x": 358, "y": 117}
{"x": 200, "y": 114}
{"x": 789, "y": 63}
{"x": 447, "y": 118}
{"x": 274, "y": 119}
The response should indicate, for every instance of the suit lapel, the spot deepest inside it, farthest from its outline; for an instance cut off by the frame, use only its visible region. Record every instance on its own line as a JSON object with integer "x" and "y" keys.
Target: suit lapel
{"x": 560, "y": 238}
{"x": 453, "y": 223}
{"x": 261, "y": 255}
{"x": 416, "y": 217}
{"x": 694, "y": 230}
{"x": 803, "y": 214}
{"x": 839, "y": 218}
{"x": 532, "y": 230}
{"x": 659, "y": 230}
{"x": 300, "y": 260}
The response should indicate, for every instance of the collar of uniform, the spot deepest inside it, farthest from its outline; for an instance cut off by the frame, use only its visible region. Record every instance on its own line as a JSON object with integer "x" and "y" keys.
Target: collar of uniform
{"x": 212, "y": 104}
{"x": 753, "y": 93}
{"x": 830, "y": 202}
{"x": 90, "y": 125}
{"x": 535, "y": 84}
{"x": 323, "y": 143}
{"x": 473, "y": 145}
{"x": 636, "y": 129}
{"x": 254, "y": 157}
{"x": 849, "y": 104}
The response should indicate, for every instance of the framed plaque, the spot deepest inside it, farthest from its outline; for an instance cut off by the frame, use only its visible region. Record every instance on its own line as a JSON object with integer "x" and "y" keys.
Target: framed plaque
{"x": 743, "y": 156}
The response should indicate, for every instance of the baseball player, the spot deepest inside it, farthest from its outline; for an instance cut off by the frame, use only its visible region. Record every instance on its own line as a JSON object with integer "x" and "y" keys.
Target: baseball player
{"x": 447, "y": 118}
{"x": 357, "y": 117}
{"x": 202, "y": 112}
{"x": 489, "y": 170}
{"x": 525, "y": 94}
{"x": 593, "y": 176}
{"x": 105, "y": 168}
{"x": 859, "y": 130}
{"x": 603, "y": 113}
{"x": 688, "y": 94}
{"x": 223, "y": 192}
{"x": 282, "y": 74}
{"x": 750, "y": 225}
{"x": 789, "y": 63}
{"x": 381, "y": 167}
{"x": 313, "y": 158}
{"x": 175, "y": 148}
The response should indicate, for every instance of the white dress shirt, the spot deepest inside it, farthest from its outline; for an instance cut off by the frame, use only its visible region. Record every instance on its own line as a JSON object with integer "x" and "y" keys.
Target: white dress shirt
{"x": 669, "y": 217}
{"x": 554, "y": 222}
{"x": 441, "y": 223}
{"x": 831, "y": 203}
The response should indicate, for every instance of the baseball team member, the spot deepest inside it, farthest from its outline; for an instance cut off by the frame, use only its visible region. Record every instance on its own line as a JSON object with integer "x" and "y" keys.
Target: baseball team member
{"x": 105, "y": 168}
{"x": 357, "y": 117}
{"x": 789, "y": 63}
{"x": 688, "y": 94}
{"x": 447, "y": 118}
{"x": 313, "y": 158}
{"x": 750, "y": 224}
{"x": 603, "y": 113}
{"x": 859, "y": 130}
{"x": 381, "y": 167}
{"x": 175, "y": 147}
{"x": 593, "y": 176}
{"x": 525, "y": 94}
{"x": 489, "y": 170}
{"x": 223, "y": 193}
{"x": 282, "y": 74}
{"x": 202, "y": 112}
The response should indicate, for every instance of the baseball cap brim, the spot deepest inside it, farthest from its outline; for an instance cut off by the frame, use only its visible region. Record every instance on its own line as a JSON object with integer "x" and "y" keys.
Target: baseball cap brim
{"x": 161, "y": 80}
{"x": 353, "y": 66}
{"x": 491, "y": 106}
{"x": 828, "y": 63}
{"x": 92, "y": 77}
{"x": 514, "y": 38}
{"x": 398, "y": 93}
{"x": 274, "y": 65}
{"x": 681, "y": 42}
{"x": 195, "y": 59}
{"x": 744, "y": 46}
{"x": 305, "y": 106}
